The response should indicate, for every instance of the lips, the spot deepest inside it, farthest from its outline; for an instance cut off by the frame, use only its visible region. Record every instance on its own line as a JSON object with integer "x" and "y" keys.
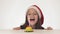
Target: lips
{"x": 32, "y": 19}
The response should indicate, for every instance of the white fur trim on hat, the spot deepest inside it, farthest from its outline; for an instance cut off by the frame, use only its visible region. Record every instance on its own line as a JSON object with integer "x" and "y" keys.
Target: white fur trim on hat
{"x": 38, "y": 11}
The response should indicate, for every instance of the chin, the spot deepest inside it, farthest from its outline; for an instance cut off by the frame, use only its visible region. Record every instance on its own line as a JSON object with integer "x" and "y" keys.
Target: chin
{"x": 32, "y": 24}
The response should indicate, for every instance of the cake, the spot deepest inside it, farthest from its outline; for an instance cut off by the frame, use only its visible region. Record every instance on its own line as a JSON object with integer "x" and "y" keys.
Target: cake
{"x": 28, "y": 29}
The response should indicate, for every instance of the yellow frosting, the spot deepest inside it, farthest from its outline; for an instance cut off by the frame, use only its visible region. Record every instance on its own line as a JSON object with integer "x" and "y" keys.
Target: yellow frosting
{"x": 29, "y": 29}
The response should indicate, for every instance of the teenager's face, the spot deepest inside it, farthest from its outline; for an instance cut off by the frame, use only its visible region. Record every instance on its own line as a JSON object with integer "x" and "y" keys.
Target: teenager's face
{"x": 32, "y": 16}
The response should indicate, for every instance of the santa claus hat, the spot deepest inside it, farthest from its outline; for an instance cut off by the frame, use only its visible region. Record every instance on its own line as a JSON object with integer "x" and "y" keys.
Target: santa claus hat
{"x": 38, "y": 10}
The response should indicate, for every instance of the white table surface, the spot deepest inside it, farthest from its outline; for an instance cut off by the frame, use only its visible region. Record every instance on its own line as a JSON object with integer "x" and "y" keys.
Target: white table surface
{"x": 35, "y": 32}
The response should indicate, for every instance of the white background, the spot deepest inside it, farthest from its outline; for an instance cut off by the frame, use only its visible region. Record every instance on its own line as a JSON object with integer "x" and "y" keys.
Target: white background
{"x": 12, "y": 12}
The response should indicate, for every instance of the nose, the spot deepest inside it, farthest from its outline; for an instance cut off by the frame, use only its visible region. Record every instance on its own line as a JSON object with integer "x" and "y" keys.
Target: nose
{"x": 32, "y": 16}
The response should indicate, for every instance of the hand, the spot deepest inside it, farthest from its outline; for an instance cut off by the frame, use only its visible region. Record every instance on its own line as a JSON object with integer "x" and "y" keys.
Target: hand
{"x": 17, "y": 28}
{"x": 49, "y": 28}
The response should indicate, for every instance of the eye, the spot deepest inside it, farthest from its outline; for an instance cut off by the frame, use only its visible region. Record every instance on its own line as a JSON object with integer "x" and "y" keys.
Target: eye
{"x": 29, "y": 14}
{"x": 35, "y": 14}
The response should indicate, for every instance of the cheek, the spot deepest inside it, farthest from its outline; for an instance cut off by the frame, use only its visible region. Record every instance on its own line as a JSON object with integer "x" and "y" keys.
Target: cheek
{"x": 36, "y": 17}
{"x": 28, "y": 18}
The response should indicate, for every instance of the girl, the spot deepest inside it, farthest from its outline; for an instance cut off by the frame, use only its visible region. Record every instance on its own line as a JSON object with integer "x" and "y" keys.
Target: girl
{"x": 34, "y": 19}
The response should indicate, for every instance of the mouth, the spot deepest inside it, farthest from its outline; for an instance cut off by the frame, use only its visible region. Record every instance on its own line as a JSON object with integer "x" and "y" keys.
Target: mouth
{"x": 32, "y": 19}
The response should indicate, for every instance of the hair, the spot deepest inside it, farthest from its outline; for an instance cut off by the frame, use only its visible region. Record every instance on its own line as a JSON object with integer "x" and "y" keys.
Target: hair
{"x": 37, "y": 25}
